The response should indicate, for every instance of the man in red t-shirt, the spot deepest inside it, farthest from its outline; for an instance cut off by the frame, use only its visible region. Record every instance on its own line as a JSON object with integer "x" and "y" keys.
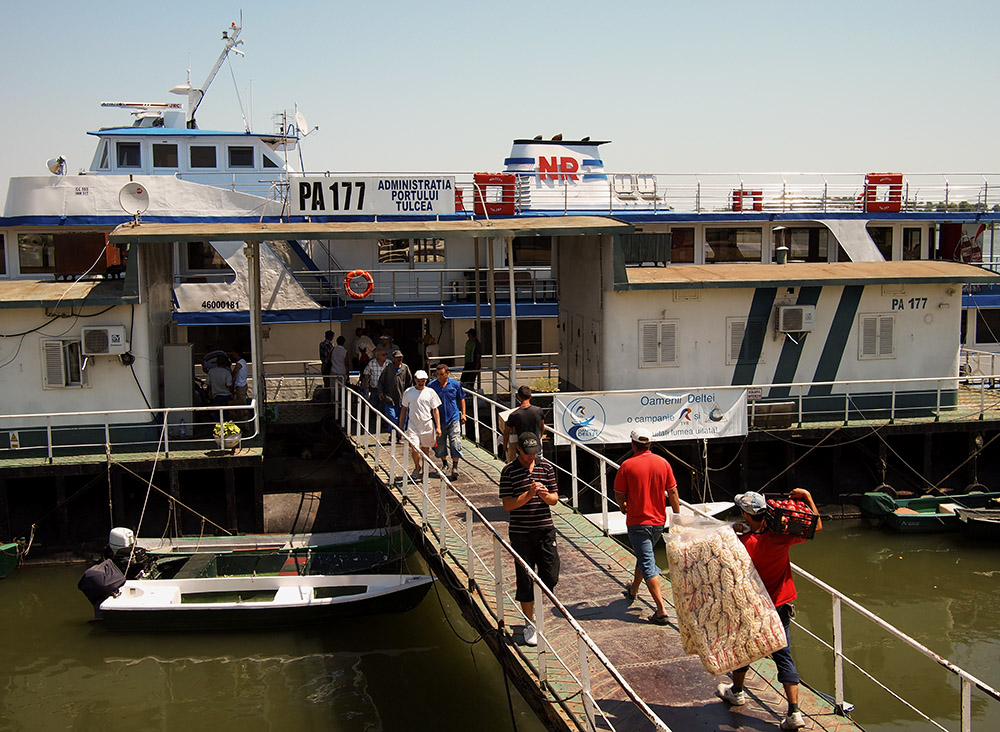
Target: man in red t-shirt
{"x": 642, "y": 485}
{"x": 769, "y": 553}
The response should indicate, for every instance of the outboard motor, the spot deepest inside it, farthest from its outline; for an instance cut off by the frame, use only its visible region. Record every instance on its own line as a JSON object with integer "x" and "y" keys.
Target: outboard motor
{"x": 130, "y": 559}
{"x": 101, "y": 582}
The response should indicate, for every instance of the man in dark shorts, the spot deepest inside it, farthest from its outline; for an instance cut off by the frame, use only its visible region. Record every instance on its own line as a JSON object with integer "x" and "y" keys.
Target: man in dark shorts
{"x": 526, "y": 418}
{"x": 527, "y": 489}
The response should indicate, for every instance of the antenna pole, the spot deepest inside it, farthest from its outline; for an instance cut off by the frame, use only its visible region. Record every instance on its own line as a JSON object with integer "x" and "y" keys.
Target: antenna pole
{"x": 195, "y": 96}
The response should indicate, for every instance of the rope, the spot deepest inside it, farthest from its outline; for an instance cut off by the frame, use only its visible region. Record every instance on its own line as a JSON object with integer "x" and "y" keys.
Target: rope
{"x": 142, "y": 514}
{"x": 794, "y": 462}
{"x": 178, "y": 501}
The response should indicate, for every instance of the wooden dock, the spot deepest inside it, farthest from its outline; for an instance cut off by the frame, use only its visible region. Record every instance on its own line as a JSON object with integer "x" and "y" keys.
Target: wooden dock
{"x": 595, "y": 569}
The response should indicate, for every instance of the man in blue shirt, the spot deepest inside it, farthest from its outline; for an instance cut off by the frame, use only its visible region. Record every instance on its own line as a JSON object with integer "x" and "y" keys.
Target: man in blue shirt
{"x": 452, "y": 418}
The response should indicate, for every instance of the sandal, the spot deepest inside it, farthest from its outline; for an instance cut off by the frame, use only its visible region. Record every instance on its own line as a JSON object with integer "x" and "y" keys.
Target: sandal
{"x": 629, "y": 597}
{"x": 658, "y": 619}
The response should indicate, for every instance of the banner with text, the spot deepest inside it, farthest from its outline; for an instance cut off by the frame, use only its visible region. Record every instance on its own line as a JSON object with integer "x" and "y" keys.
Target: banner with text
{"x": 610, "y": 417}
{"x": 375, "y": 195}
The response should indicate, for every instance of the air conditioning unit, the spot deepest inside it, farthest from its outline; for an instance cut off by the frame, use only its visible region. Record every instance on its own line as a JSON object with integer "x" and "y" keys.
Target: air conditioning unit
{"x": 796, "y": 318}
{"x": 103, "y": 340}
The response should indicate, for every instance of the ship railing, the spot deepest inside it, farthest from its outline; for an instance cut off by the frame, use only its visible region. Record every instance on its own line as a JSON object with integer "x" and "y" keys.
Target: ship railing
{"x": 454, "y": 523}
{"x": 979, "y": 363}
{"x": 736, "y": 192}
{"x": 432, "y": 284}
{"x": 118, "y": 431}
{"x": 485, "y": 413}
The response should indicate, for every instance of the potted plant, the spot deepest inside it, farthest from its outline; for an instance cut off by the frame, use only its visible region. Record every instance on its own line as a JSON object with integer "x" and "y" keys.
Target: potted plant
{"x": 227, "y": 435}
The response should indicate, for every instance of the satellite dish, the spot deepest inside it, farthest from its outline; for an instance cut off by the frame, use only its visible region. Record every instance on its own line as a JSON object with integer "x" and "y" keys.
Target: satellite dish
{"x": 134, "y": 199}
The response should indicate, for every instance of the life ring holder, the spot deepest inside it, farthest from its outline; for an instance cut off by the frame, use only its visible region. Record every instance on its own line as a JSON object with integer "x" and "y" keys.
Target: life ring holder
{"x": 359, "y": 273}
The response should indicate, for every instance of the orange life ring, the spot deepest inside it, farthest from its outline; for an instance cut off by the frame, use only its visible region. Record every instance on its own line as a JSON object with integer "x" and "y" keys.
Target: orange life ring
{"x": 359, "y": 273}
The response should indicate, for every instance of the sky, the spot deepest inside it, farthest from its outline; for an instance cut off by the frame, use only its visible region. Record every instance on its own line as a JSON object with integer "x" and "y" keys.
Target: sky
{"x": 692, "y": 87}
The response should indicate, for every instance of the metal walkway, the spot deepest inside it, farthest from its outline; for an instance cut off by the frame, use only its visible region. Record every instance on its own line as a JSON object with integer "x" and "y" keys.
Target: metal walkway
{"x": 664, "y": 687}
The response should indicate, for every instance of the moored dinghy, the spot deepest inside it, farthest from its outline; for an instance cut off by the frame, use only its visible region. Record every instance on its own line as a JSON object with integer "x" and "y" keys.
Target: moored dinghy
{"x": 925, "y": 514}
{"x": 257, "y": 603}
{"x": 980, "y": 523}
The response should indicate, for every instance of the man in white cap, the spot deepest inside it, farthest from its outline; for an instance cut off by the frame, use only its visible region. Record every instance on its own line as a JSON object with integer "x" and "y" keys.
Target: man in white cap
{"x": 769, "y": 553}
{"x": 423, "y": 429}
{"x": 643, "y": 483}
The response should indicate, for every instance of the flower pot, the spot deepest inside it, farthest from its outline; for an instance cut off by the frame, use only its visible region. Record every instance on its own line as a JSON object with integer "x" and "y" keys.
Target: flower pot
{"x": 228, "y": 442}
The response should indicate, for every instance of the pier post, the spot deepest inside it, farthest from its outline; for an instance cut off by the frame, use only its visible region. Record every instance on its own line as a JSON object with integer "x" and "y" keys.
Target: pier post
{"x": 744, "y": 467}
{"x": 230, "y": 499}
{"x": 928, "y": 439}
{"x": 4, "y": 510}
{"x": 117, "y": 499}
{"x": 258, "y": 497}
{"x": 61, "y": 511}
{"x": 789, "y": 459}
{"x": 175, "y": 493}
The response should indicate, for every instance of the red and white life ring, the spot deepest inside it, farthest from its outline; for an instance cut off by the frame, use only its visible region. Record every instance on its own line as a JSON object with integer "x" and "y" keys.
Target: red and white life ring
{"x": 350, "y": 278}
{"x": 494, "y": 194}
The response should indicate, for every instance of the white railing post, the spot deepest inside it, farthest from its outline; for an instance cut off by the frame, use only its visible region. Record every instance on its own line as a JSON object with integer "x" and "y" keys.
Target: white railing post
{"x": 48, "y": 437}
{"x": 443, "y": 534}
{"x": 539, "y": 622}
{"x": 377, "y": 437}
{"x": 838, "y": 655}
{"x": 604, "y": 496}
{"x": 404, "y": 446}
{"x": 575, "y": 482}
{"x": 585, "y": 692}
{"x": 966, "y": 706}
{"x": 493, "y": 429}
{"x": 982, "y": 397}
{"x": 937, "y": 412}
{"x": 425, "y": 495}
{"x": 166, "y": 434}
{"x": 392, "y": 460}
{"x": 470, "y": 564}
{"x": 498, "y": 579}
{"x": 475, "y": 418}
{"x": 892, "y": 407}
{"x": 847, "y": 403}
{"x": 366, "y": 416}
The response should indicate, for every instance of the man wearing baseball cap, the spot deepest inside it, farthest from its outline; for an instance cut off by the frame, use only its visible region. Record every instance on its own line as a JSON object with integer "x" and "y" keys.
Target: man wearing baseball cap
{"x": 769, "y": 553}
{"x": 527, "y": 489}
{"x": 392, "y": 382}
{"x": 643, "y": 483}
{"x": 423, "y": 428}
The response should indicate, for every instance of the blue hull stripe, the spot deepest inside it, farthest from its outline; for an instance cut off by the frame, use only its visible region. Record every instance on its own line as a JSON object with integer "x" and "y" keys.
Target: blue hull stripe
{"x": 760, "y": 309}
{"x": 791, "y": 352}
{"x": 836, "y": 340}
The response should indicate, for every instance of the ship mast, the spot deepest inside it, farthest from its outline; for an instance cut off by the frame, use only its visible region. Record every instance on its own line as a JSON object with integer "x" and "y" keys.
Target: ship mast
{"x": 230, "y": 36}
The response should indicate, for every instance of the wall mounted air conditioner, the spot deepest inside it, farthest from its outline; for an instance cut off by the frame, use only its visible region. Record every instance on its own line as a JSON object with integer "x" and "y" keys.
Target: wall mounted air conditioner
{"x": 796, "y": 318}
{"x": 103, "y": 340}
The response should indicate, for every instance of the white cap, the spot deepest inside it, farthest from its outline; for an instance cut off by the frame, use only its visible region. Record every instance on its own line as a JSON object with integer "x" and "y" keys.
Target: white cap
{"x": 421, "y": 374}
{"x": 641, "y": 434}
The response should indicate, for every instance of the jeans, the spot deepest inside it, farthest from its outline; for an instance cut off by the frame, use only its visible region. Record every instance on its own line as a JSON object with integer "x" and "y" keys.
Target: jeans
{"x": 787, "y": 673}
{"x": 643, "y": 538}
{"x": 450, "y": 439}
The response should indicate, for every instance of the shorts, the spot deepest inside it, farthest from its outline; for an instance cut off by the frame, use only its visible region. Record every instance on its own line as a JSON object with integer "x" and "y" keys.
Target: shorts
{"x": 423, "y": 439}
{"x": 538, "y": 549}
{"x": 644, "y": 538}
{"x": 451, "y": 439}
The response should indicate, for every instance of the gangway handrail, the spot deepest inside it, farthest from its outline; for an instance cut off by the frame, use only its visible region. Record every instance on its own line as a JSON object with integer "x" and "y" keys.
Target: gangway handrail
{"x": 967, "y": 679}
{"x": 345, "y": 396}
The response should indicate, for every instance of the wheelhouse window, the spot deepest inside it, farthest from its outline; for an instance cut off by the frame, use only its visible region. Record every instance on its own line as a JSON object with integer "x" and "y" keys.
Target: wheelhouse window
{"x": 882, "y": 236}
{"x": 128, "y": 155}
{"x": 202, "y": 156}
{"x": 911, "y": 243}
{"x": 393, "y": 251}
{"x": 103, "y": 163}
{"x": 268, "y": 163}
{"x": 987, "y": 325}
{"x": 532, "y": 251}
{"x": 164, "y": 155}
{"x": 682, "y": 246}
{"x": 63, "y": 364}
{"x": 36, "y": 253}
{"x": 732, "y": 245}
{"x": 876, "y": 337}
{"x": 3, "y": 256}
{"x": 428, "y": 250}
{"x": 410, "y": 251}
{"x": 201, "y": 255}
{"x": 805, "y": 244}
{"x": 240, "y": 156}
{"x": 657, "y": 343}
{"x": 651, "y": 248}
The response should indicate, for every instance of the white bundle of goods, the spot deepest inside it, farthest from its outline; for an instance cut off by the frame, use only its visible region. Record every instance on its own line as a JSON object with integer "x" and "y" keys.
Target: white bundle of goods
{"x": 724, "y": 611}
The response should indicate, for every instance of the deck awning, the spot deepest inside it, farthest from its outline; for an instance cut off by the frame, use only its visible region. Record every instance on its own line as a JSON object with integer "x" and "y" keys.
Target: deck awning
{"x": 49, "y": 294}
{"x": 520, "y": 226}
{"x": 801, "y": 274}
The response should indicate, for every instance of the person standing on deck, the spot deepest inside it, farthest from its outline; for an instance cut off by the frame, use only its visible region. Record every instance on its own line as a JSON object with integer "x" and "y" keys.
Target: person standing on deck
{"x": 473, "y": 360}
{"x": 240, "y": 377}
{"x": 325, "y": 349}
{"x": 642, "y": 485}
{"x": 339, "y": 362}
{"x": 526, "y": 418}
{"x": 452, "y": 418}
{"x": 769, "y": 553}
{"x": 527, "y": 489}
{"x": 423, "y": 428}
{"x": 393, "y": 381}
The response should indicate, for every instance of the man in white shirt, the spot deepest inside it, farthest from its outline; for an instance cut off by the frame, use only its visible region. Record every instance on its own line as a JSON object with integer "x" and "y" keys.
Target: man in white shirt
{"x": 423, "y": 429}
{"x": 240, "y": 378}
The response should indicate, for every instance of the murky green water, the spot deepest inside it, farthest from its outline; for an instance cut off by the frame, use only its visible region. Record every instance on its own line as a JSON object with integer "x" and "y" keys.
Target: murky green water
{"x": 391, "y": 672}
{"x": 407, "y": 672}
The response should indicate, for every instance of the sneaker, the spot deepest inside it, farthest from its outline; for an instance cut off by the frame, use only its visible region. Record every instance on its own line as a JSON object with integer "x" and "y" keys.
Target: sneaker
{"x": 454, "y": 474}
{"x": 793, "y": 721}
{"x": 531, "y": 636}
{"x": 735, "y": 698}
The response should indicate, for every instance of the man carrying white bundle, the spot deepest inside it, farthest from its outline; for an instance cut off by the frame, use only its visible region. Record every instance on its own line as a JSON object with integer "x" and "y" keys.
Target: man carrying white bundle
{"x": 769, "y": 553}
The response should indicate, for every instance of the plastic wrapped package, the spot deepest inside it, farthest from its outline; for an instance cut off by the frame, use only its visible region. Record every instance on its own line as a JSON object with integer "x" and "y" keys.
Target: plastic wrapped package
{"x": 725, "y": 614}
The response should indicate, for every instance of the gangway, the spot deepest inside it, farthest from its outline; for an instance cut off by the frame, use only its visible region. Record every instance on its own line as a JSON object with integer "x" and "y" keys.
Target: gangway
{"x": 598, "y": 664}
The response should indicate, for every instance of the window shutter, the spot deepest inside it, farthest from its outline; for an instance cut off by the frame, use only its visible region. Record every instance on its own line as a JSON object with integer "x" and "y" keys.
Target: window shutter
{"x": 53, "y": 367}
{"x": 650, "y": 344}
{"x": 668, "y": 343}
{"x": 737, "y": 328}
{"x": 869, "y": 336}
{"x": 886, "y": 324}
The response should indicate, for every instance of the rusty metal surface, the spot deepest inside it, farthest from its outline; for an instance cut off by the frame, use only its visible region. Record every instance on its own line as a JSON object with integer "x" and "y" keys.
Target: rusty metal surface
{"x": 594, "y": 571}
